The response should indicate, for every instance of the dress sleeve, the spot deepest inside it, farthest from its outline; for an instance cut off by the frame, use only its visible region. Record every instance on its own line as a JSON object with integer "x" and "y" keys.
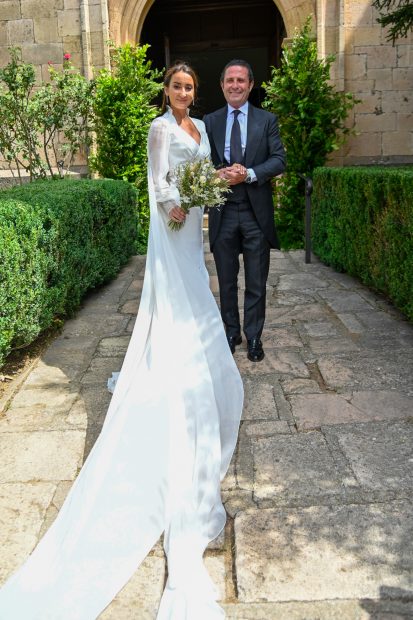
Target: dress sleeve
{"x": 167, "y": 194}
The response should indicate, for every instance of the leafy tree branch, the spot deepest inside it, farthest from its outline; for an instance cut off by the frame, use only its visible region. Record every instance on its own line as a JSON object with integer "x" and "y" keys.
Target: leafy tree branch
{"x": 397, "y": 15}
{"x": 313, "y": 123}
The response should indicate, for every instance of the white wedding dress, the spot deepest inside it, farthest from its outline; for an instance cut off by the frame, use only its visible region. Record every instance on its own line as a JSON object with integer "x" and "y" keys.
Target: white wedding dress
{"x": 166, "y": 443}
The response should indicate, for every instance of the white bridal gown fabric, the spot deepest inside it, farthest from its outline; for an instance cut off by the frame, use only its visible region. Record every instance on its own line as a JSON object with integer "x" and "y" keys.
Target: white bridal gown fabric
{"x": 166, "y": 443}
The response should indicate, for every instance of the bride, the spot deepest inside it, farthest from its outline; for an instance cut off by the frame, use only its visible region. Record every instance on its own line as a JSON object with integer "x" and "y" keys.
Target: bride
{"x": 170, "y": 429}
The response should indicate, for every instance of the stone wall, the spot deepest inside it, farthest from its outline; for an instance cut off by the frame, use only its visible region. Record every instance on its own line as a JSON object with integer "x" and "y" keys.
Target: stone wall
{"x": 47, "y": 29}
{"x": 380, "y": 75}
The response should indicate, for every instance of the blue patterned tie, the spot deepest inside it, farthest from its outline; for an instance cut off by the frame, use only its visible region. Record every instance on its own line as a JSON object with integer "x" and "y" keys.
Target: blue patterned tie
{"x": 235, "y": 148}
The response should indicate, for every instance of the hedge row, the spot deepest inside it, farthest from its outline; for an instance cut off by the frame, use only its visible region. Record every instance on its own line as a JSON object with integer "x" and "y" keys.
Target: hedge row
{"x": 363, "y": 224}
{"x": 58, "y": 239}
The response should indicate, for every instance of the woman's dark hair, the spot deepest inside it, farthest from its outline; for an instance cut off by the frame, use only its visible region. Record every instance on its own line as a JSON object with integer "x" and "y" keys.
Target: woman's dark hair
{"x": 237, "y": 62}
{"x": 176, "y": 68}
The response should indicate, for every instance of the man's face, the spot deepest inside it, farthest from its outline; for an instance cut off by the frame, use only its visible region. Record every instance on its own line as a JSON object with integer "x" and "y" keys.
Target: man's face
{"x": 236, "y": 86}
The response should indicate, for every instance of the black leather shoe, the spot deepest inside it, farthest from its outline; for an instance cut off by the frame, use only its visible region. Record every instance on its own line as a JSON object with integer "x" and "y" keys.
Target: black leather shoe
{"x": 255, "y": 350}
{"x": 233, "y": 341}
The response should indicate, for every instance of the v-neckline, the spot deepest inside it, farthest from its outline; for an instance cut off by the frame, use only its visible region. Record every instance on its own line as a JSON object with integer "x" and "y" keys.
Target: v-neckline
{"x": 185, "y": 132}
{"x": 189, "y": 135}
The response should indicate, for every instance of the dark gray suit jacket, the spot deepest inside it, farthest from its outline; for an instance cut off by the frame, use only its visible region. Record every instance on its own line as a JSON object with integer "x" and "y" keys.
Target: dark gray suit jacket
{"x": 264, "y": 153}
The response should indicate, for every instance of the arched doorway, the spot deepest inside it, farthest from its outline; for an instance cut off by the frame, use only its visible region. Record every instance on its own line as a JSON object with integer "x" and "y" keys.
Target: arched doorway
{"x": 209, "y": 33}
{"x": 126, "y": 17}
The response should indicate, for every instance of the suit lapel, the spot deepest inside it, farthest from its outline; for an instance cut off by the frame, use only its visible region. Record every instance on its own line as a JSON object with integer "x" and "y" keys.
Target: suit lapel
{"x": 254, "y": 131}
{"x": 218, "y": 132}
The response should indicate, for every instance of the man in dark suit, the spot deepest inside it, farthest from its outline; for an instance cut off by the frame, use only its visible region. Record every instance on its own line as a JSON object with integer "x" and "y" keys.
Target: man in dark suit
{"x": 246, "y": 147}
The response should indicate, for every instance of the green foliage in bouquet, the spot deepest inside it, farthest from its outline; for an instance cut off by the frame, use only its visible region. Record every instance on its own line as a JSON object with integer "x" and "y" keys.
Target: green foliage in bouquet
{"x": 199, "y": 186}
{"x": 123, "y": 110}
{"x": 312, "y": 116}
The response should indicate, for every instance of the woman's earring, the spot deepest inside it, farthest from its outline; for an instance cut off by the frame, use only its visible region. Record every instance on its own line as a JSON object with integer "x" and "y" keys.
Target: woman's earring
{"x": 167, "y": 99}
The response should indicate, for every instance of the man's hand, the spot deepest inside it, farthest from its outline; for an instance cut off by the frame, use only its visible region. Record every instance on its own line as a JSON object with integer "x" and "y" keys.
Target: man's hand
{"x": 234, "y": 174}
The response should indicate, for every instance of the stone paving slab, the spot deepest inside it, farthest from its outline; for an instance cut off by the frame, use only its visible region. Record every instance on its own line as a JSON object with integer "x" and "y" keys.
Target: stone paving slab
{"x": 266, "y": 428}
{"x": 70, "y": 355}
{"x": 300, "y": 386}
{"x": 383, "y": 404}
{"x": 100, "y": 370}
{"x": 113, "y": 347}
{"x": 320, "y": 329}
{"x": 43, "y": 417}
{"x": 320, "y": 486}
{"x": 287, "y": 467}
{"x": 380, "y": 455}
{"x": 322, "y": 610}
{"x": 45, "y": 456}
{"x": 383, "y": 322}
{"x": 324, "y": 553}
{"x": 323, "y": 346}
{"x": 92, "y": 404}
{"x": 384, "y": 369}
{"x": 47, "y": 397}
{"x": 312, "y": 410}
{"x": 301, "y": 282}
{"x": 45, "y": 373}
{"x": 351, "y": 323}
{"x": 95, "y": 325}
{"x": 259, "y": 402}
{"x": 287, "y": 315}
{"x": 130, "y": 307}
{"x": 62, "y": 489}
{"x": 22, "y": 509}
{"x": 220, "y": 574}
{"x": 287, "y": 363}
{"x": 345, "y": 301}
{"x": 142, "y": 592}
{"x": 282, "y": 338}
{"x": 291, "y": 298}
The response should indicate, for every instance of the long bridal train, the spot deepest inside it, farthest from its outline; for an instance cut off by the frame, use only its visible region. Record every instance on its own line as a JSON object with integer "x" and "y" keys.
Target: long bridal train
{"x": 166, "y": 443}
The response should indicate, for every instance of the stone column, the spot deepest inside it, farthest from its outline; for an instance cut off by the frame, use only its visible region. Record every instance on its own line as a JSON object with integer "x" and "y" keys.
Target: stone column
{"x": 86, "y": 44}
{"x": 105, "y": 33}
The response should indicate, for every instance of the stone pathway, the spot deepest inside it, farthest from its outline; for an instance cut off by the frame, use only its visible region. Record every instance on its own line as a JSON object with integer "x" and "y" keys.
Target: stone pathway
{"x": 319, "y": 494}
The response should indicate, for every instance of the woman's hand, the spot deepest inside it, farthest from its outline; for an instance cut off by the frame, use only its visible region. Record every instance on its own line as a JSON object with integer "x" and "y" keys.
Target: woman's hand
{"x": 177, "y": 214}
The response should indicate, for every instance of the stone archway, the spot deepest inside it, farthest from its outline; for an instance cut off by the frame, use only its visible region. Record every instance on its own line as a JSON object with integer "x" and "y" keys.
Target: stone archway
{"x": 126, "y": 17}
{"x": 208, "y": 34}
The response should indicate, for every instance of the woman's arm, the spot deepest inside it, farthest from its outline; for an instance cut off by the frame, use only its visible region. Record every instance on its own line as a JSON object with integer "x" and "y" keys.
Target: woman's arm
{"x": 166, "y": 192}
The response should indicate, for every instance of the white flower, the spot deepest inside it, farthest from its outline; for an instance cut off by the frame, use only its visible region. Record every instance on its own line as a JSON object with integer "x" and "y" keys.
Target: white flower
{"x": 199, "y": 186}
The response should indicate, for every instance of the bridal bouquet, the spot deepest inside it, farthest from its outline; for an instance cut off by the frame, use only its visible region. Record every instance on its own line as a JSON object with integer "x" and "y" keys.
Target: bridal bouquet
{"x": 198, "y": 186}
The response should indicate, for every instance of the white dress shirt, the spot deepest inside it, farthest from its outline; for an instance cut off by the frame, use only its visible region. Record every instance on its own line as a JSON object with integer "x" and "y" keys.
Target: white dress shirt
{"x": 243, "y": 123}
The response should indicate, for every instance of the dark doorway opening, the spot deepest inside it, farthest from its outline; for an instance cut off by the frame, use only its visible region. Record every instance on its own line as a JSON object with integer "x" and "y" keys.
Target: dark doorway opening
{"x": 208, "y": 34}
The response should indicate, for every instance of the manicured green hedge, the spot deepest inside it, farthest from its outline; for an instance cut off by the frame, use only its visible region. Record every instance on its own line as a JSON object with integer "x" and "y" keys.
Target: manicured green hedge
{"x": 363, "y": 224}
{"x": 59, "y": 239}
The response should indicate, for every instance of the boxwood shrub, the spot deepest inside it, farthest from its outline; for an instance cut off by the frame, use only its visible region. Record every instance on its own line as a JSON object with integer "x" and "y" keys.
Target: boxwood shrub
{"x": 58, "y": 240}
{"x": 363, "y": 224}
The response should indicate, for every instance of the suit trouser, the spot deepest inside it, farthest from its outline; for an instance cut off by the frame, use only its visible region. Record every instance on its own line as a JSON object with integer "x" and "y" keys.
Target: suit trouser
{"x": 239, "y": 233}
